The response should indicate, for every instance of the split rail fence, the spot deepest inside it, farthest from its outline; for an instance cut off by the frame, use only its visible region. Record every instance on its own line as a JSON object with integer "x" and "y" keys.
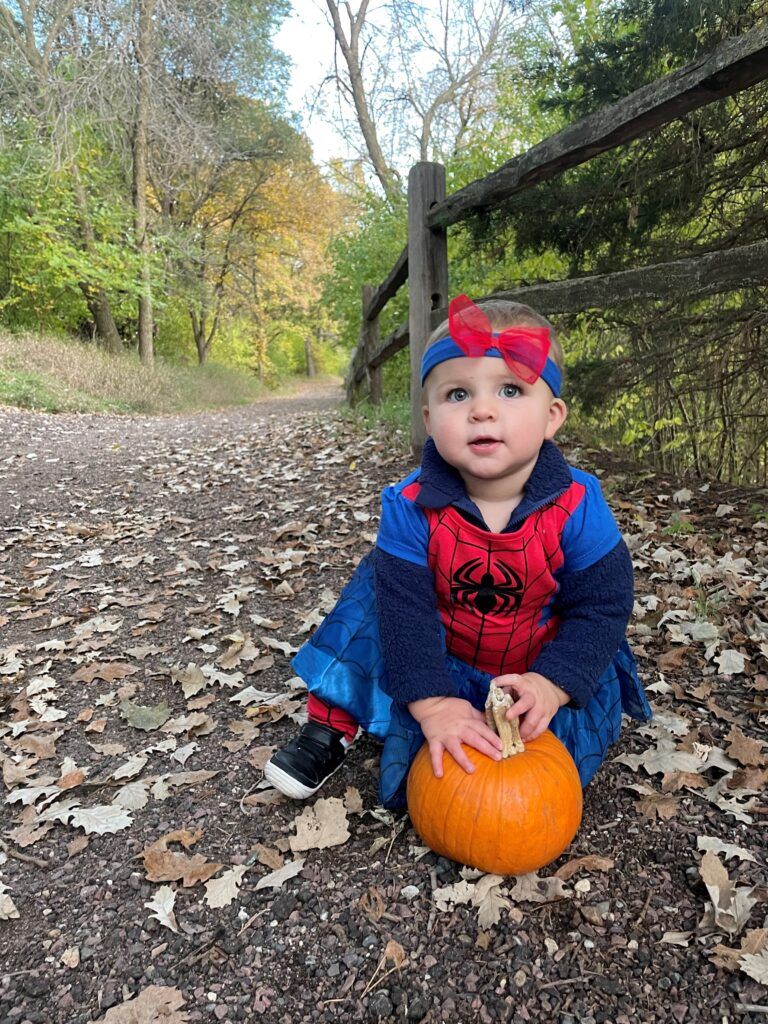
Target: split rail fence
{"x": 734, "y": 65}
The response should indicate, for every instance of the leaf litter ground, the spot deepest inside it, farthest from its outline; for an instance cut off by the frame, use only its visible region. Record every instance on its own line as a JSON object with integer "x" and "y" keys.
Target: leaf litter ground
{"x": 155, "y": 577}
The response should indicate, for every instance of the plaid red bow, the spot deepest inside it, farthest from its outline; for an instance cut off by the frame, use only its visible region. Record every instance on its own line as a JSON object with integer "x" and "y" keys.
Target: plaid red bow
{"x": 524, "y": 349}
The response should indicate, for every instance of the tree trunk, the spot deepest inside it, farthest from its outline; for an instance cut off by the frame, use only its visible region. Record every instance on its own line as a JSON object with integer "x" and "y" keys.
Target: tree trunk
{"x": 202, "y": 344}
{"x": 350, "y": 49}
{"x": 311, "y": 371}
{"x": 101, "y": 313}
{"x": 143, "y": 51}
{"x": 98, "y": 302}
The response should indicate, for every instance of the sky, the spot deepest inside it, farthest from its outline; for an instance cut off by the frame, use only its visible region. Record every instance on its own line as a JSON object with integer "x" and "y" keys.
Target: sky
{"x": 307, "y": 38}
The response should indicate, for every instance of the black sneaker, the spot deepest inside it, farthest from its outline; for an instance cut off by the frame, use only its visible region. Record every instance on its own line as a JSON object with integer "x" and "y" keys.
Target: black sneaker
{"x": 304, "y": 764}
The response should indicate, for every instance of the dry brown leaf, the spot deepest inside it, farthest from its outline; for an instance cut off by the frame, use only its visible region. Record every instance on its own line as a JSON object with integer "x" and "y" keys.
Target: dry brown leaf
{"x": 532, "y": 889}
{"x": 673, "y": 782}
{"x": 731, "y": 905}
{"x": 745, "y": 750}
{"x": 71, "y": 779}
{"x": 320, "y": 826}
{"x": 267, "y": 856}
{"x": 654, "y": 805}
{"x": 276, "y": 879}
{"x": 754, "y": 941}
{"x": 166, "y": 866}
{"x": 258, "y": 756}
{"x": 264, "y": 799}
{"x": 353, "y": 801}
{"x": 109, "y": 671}
{"x": 221, "y": 891}
{"x": 179, "y": 835}
{"x": 156, "y": 1004}
{"x": 41, "y": 745}
{"x": 756, "y": 966}
{"x": 672, "y": 659}
{"x": 589, "y": 863}
{"x": 394, "y": 954}
{"x": 77, "y": 846}
{"x": 161, "y": 905}
{"x": 97, "y": 725}
{"x": 372, "y": 903}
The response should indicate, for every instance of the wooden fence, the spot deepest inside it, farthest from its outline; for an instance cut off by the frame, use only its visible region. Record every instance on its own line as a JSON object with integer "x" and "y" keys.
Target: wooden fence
{"x": 734, "y": 65}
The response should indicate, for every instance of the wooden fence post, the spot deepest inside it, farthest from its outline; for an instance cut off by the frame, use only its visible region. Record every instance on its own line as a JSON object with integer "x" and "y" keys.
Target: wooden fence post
{"x": 427, "y": 276}
{"x": 370, "y": 340}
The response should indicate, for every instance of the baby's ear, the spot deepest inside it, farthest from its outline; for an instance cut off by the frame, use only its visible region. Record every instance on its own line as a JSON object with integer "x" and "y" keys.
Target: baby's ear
{"x": 558, "y": 411}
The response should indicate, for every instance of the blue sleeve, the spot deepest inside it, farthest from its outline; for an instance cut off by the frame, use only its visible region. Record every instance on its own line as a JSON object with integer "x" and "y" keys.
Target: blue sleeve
{"x": 411, "y": 641}
{"x": 403, "y": 529}
{"x": 594, "y": 606}
{"x": 591, "y": 531}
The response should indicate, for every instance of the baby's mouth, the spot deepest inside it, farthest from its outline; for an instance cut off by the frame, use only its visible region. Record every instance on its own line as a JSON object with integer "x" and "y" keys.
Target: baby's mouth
{"x": 484, "y": 442}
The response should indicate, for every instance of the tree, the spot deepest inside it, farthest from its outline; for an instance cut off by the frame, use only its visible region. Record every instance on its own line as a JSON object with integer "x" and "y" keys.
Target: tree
{"x": 416, "y": 83}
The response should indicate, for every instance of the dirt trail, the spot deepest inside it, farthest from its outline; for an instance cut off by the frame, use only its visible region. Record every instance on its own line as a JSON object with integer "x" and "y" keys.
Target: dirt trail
{"x": 44, "y": 455}
{"x": 156, "y": 574}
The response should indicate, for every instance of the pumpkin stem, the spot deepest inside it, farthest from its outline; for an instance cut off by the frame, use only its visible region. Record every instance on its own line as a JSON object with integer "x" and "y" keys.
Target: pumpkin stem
{"x": 496, "y": 716}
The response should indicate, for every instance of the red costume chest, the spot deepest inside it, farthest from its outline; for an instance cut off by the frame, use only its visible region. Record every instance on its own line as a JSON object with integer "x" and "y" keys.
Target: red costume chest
{"x": 495, "y": 590}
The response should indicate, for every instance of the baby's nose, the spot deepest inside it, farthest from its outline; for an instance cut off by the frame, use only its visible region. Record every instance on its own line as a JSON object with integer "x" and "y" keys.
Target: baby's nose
{"x": 483, "y": 409}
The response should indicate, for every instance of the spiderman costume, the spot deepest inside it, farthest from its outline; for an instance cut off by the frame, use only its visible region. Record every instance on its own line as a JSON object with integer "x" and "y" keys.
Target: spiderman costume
{"x": 442, "y": 605}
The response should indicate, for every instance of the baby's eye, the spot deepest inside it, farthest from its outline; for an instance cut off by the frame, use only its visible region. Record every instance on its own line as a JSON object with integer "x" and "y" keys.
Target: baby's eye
{"x": 510, "y": 391}
{"x": 458, "y": 395}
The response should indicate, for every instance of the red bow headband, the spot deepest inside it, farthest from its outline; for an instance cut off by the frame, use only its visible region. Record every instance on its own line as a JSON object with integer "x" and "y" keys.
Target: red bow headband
{"x": 524, "y": 349}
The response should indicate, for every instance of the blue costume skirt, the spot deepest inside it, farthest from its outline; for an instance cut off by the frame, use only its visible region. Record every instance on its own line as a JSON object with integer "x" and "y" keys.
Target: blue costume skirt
{"x": 342, "y": 664}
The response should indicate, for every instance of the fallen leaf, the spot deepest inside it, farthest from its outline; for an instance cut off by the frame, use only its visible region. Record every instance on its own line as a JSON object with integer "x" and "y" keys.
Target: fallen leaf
{"x": 145, "y": 717}
{"x": 71, "y": 957}
{"x": 110, "y": 672}
{"x": 754, "y": 941}
{"x": 165, "y": 866}
{"x": 490, "y": 901}
{"x": 8, "y": 911}
{"x": 588, "y": 863}
{"x": 133, "y": 796}
{"x": 320, "y": 826}
{"x": 731, "y": 906}
{"x": 221, "y": 891}
{"x": 276, "y": 879}
{"x": 756, "y": 966}
{"x": 157, "y": 1004}
{"x": 162, "y": 905}
{"x": 728, "y": 849}
{"x": 267, "y": 856}
{"x": 745, "y": 750}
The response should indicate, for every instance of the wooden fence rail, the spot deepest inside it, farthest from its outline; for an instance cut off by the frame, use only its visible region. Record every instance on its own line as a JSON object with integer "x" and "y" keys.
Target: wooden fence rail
{"x": 734, "y": 65}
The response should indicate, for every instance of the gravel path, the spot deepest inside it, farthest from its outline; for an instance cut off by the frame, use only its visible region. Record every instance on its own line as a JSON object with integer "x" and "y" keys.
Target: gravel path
{"x": 153, "y": 569}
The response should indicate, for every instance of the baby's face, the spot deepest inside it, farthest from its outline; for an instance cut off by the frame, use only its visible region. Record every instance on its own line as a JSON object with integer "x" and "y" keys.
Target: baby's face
{"x": 486, "y": 422}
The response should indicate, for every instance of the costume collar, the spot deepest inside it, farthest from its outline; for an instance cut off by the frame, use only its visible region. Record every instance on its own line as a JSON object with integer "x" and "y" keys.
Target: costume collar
{"x": 441, "y": 484}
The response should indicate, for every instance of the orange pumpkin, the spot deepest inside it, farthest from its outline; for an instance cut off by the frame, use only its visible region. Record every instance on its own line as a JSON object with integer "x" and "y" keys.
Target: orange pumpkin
{"x": 508, "y": 817}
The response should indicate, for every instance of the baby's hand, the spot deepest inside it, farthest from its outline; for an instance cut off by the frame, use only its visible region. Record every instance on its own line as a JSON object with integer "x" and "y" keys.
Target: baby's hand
{"x": 447, "y": 722}
{"x": 538, "y": 700}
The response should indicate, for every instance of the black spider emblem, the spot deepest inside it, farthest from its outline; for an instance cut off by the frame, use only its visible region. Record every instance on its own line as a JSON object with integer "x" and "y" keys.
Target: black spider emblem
{"x": 485, "y": 590}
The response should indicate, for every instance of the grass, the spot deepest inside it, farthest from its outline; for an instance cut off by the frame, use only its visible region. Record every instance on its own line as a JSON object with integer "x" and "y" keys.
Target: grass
{"x": 60, "y": 375}
{"x": 393, "y": 412}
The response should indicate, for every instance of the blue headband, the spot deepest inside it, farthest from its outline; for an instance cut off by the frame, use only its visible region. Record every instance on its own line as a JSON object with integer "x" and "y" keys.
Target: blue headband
{"x": 447, "y": 348}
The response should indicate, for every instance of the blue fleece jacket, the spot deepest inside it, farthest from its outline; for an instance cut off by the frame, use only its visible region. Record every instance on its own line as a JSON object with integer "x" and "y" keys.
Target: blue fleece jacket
{"x": 594, "y": 595}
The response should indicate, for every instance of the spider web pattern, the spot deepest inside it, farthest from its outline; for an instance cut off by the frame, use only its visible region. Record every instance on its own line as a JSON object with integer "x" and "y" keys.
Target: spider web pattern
{"x": 505, "y": 639}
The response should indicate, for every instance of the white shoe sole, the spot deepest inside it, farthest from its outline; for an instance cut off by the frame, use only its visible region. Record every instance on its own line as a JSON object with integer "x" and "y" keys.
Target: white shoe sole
{"x": 289, "y": 786}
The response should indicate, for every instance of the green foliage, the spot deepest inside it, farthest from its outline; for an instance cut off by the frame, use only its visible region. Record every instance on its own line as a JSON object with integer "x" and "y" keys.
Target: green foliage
{"x": 44, "y": 260}
{"x": 364, "y": 254}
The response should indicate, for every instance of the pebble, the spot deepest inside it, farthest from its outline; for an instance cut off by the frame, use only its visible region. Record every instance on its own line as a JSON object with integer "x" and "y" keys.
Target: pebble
{"x": 380, "y": 1006}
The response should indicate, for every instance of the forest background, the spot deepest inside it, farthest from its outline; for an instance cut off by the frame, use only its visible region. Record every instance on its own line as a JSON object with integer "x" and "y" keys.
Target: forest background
{"x": 160, "y": 202}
